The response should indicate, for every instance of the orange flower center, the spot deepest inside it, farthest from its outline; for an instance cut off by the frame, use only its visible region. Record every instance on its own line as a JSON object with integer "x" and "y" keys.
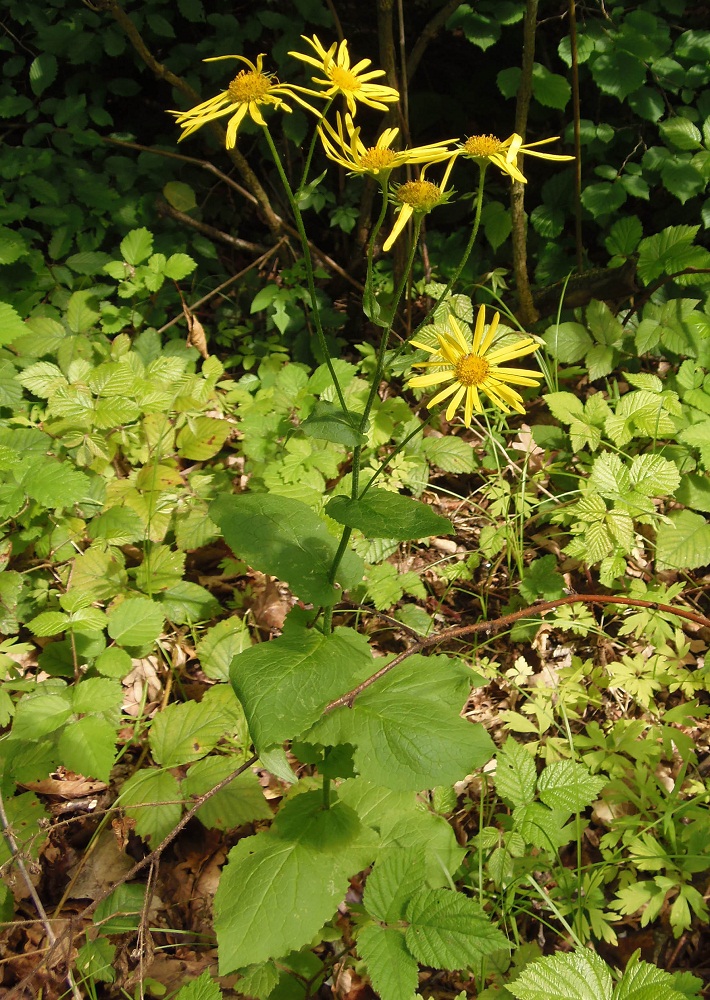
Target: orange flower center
{"x": 482, "y": 145}
{"x": 472, "y": 370}
{"x": 376, "y": 158}
{"x": 421, "y": 195}
{"x": 249, "y": 86}
{"x": 344, "y": 79}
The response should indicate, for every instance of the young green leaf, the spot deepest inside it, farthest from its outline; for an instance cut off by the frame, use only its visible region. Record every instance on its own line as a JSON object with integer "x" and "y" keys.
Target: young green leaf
{"x": 391, "y": 968}
{"x": 285, "y": 538}
{"x": 448, "y": 930}
{"x": 382, "y": 514}
{"x": 579, "y": 976}
{"x": 568, "y": 786}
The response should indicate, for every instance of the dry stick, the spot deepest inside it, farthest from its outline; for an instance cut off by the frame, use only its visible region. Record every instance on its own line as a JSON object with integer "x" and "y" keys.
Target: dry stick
{"x": 577, "y": 137}
{"x": 239, "y": 161}
{"x": 230, "y": 281}
{"x": 155, "y": 855}
{"x": 527, "y": 312}
{"x": 48, "y": 930}
{"x": 203, "y": 227}
{"x": 430, "y": 30}
{"x": 226, "y": 179}
{"x": 496, "y": 624}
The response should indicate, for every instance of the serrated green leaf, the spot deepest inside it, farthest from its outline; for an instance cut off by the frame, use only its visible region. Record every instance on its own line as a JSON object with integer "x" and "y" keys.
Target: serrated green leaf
{"x": 542, "y": 827}
{"x": 642, "y": 981}
{"x": 567, "y": 342}
{"x": 285, "y": 538}
{"x": 306, "y": 857}
{"x": 694, "y": 492}
{"x": 242, "y": 801}
{"x": 95, "y": 960}
{"x": 565, "y": 406}
{"x": 515, "y": 773}
{"x": 117, "y": 526}
{"x": 202, "y": 438}
{"x": 121, "y": 912}
{"x": 183, "y": 733}
{"x": 88, "y": 747}
{"x": 568, "y": 786}
{"x": 49, "y": 623}
{"x": 664, "y": 251}
{"x": 450, "y": 454}
{"x": 448, "y": 930}
{"x": 383, "y": 514}
{"x": 399, "y": 874}
{"x": 11, "y": 325}
{"x": 178, "y": 265}
{"x": 550, "y": 89}
{"x": 137, "y": 246}
{"x": 152, "y": 798}
{"x": 391, "y": 968}
{"x": 653, "y": 475}
{"x": 406, "y": 728}
{"x": 684, "y": 542}
{"x": 202, "y": 988}
{"x": 12, "y": 246}
{"x": 54, "y": 484}
{"x": 38, "y": 715}
{"x": 29, "y": 822}
{"x": 136, "y": 621}
{"x": 285, "y": 684}
{"x": 162, "y": 567}
{"x": 681, "y": 133}
{"x": 579, "y": 976}
{"x": 220, "y": 644}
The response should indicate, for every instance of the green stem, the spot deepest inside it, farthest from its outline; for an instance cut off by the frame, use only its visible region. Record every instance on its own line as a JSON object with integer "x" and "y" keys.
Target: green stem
{"x": 298, "y": 218}
{"x": 393, "y": 454}
{"x": 379, "y": 367}
{"x": 307, "y": 165}
{"x": 344, "y": 539}
{"x": 326, "y": 793}
{"x": 466, "y": 254}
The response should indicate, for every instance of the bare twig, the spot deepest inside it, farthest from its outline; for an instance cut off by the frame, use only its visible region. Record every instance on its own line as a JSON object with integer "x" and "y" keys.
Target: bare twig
{"x": 22, "y": 868}
{"x": 497, "y": 624}
{"x": 577, "y": 137}
{"x": 430, "y": 30}
{"x": 155, "y": 855}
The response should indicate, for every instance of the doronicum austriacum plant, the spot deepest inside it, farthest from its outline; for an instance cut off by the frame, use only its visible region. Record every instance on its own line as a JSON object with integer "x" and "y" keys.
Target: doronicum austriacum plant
{"x": 367, "y": 867}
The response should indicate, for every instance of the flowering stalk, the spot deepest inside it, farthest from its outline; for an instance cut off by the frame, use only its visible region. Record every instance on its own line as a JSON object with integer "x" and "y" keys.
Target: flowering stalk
{"x": 298, "y": 218}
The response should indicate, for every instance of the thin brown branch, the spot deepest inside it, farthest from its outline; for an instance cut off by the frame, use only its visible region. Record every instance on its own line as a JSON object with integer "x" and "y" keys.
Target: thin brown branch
{"x": 203, "y": 227}
{"x": 156, "y": 854}
{"x": 429, "y": 32}
{"x": 498, "y": 624}
{"x": 225, "y": 284}
{"x": 25, "y": 875}
{"x": 163, "y": 73}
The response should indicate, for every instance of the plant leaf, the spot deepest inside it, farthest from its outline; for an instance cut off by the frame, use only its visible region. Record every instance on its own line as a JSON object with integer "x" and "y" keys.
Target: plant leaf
{"x": 383, "y": 514}
{"x": 285, "y": 538}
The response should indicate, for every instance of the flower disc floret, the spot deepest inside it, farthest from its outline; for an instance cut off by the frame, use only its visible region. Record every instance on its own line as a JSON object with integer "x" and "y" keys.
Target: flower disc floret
{"x": 340, "y": 77}
{"x": 422, "y": 196}
{"x": 504, "y": 153}
{"x": 474, "y": 367}
{"x": 344, "y": 145}
{"x": 249, "y": 92}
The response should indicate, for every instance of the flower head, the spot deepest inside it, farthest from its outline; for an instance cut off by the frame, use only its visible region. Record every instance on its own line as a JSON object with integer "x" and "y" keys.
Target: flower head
{"x": 347, "y": 149}
{"x": 342, "y": 78}
{"x": 473, "y": 368}
{"x": 416, "y": 198}
{"x": 250, "y": 91}
{"x": 504, "y": 153}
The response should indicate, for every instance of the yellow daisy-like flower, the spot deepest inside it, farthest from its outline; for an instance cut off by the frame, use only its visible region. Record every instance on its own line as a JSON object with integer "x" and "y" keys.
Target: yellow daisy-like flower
{"x": 347, "y": 149}
{"x": 250, "y": 91}
{"x": 416, "y": 198}
{"x": 504, "y": 152}
{"x": 342, "y": 78}
{"x": 473, "y": 368}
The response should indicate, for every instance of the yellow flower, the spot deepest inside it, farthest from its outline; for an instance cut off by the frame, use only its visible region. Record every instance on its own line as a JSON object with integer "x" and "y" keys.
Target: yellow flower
{"x": 416, "y": 198}
{"x": 342, "y": 78}
{"x": 350, "y": 152}
{"x": 504, "y": 152}
{"x": 250, "y": 90}
{"x": 472, "y": 368}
